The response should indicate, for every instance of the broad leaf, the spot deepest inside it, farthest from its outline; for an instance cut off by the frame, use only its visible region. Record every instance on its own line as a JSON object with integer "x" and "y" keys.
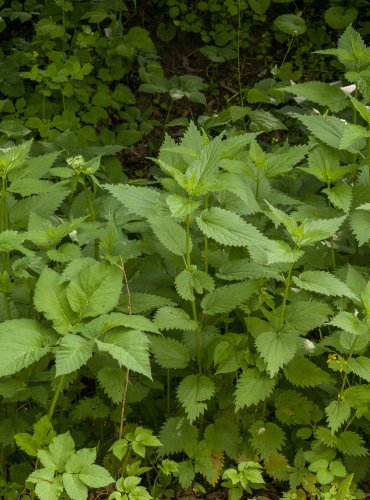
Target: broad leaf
{"x": 72, "y": 352}
{"x": 192, "y": 392}
{"x": 21, "y": 344}
{"x": 253, "y": 387}
{"x": 170, "y": 353}
{"x": 170, "y": 234}
{"x": 277, "y": 349}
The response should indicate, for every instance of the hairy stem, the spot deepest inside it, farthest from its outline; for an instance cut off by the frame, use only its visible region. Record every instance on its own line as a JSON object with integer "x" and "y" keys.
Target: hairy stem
{"x": 286, "y": 291}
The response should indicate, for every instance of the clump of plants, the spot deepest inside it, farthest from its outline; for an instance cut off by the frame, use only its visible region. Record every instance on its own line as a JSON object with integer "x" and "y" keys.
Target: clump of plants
{"x": 207, "y": 328}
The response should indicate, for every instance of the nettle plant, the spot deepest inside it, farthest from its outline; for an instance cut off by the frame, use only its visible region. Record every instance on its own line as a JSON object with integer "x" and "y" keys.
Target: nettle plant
{"x": 244, "y": 274}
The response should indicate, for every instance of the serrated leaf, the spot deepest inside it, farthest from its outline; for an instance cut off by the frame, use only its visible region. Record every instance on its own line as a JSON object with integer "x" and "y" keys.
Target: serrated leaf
{"x": 322, "y": 282}
{"x": 95, "y": 290}
{"x": 203, "y": 171}
{"x": 169, "y": 233}
{"x": 351, "y": 444}
{"x": 74, "y": 487}
{"x": 72, "y": 352}
{"x": 192, "y": 280}
{"x": 360, "y": 366}
{"x": 340, "y": 196}
{"x": 95, "y": 476}
{"x": 192, "y": 391}
{"x": 333, "y": 132}
{"x": 47, "y": 486}
{"x": 170, "y": 353}
{"x": 360, "y": 225}
{"x": 12, "y": 240}
{"x": 141, "y": 201}
{"x": 252, "y": 387}
{"x": 176, "y": 434}
{"x": 337, "y": 413}
{"x": 112, "y": 381}
{"x": 349, "y": 322}
{"x": 267, "y": 438}
{"x": 21, "y": 345}
{"x": 50, "y": 298}
{"x": 145, "y": 302}
{"x": 319, "y": 229}
{"x": 320, "y": 93}
{"x": 304, "y": 316}
{"x": 174, "y": 318}
{"x": 277, "y": 349}
{"x": 129, "y": 348}
{"x": 302, "y": 372}
{"x": 60, "y": 449}
{"x": 228, "y": 228}
{"x": 228, "y": 297}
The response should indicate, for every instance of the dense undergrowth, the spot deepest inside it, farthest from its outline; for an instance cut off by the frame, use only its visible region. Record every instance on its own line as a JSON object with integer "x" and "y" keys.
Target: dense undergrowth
{"x": 205, "y": 326}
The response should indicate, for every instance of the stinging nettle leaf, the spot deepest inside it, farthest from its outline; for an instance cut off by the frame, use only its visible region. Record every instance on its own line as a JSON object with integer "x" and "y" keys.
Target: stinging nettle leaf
{"x": 229, "y": 297}
{"x": 170, "y": 353}
{"x": 321, "y": 93}
{"x": 302, "y": 372}
{"x": 322, "y": 282}
{"x": 337, "y": 412}
{"x": 72, "y": 352}
{"x": 174, "y": 318}
{"x": 192, "y": 392}
{"x": 170, "y": 234}
{"x": 253, "y": 387}
{"x": 277, "y": 349}
{"x": 141, "y": 201}
{"x": 228, "y": 228}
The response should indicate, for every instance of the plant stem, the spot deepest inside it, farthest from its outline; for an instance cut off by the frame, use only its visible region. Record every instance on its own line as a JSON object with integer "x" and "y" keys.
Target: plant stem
{"x": 4, "y": 210}
{"x": 345, "y": 376}
{"x": 286, "y": 291}
{"x": 238, "y": 55}
{"x": 55, "y": 397}
{"x": 127, "y": 375}
{"x": 206, "y": 241}
{"x": 89, "y": 202}
{"x": 193, "y": 305}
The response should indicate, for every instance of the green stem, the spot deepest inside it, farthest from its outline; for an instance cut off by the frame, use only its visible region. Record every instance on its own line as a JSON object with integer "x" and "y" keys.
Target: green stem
{"x": 286, "y": 291}
{"x": 89, "y": 202}
{"x": 193, "y": 305}
{"x": 345, "y": 376}
{"x": 7, "y": 306}
{"x": 206, "y": 242}
{"x": 168, "y": 392}
{"x": 55, "y": 397}
{"x": 368, "y": 157}
{"x": 4, "y": 209}
{"x": 354, "y": 109}
{"x": 286, "y": 54}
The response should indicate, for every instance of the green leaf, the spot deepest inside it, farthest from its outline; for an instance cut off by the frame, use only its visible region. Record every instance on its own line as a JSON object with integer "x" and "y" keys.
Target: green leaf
{"x": 360, "y": 366}
{"x": 339, "y": 17}
{"x": 111, "y": 381}
{"x": 170, "y": 353}
{"x": 129, "y": 348}
{"x": 340, "y": 196}
{"x": 203, "y": 171}
{"x": 259, "y": 6}
{"x": 277, "y": 349}
{"x": 351, "y": 444}
{"x": 320, "y": 93}
{"x": 305, "y": 316}
{"x": 228, "y": 228}
{"x": 141, "y": 201}
{"x": 174, "y": 318}
{"x": 50, "y": 298}
{"x": 11, "y": 240}
{"x": 303, "y": 373}
{"x": 344, "y": 487}
{"x": 318, "y": 230}
{"x": 181, "y": 207}
{"x": 47, "y": 487}
{"x": 72, "y": 352}
{"x": 228, "y": 297}
{"x": 170, "y": 234}
{"x": 337, "y": 413}
{"x": 290, "y": 24}
{"x": 21, "y": 345}
{"x": 192, "y": 391}
{"x": 74, "y": 487}
{"x": 60, "y": 449}
{"x": 334, "y": 132}
{"x": 252, "y": 387}
{"x": 267, "y": 438}
{"x": 349, "y": 322}
{"x": 95, "y": 476}
{"x": 95, "y": 290}
{"x": 322, "y": 282}
{"x": 176, "y": 434}
{"x": 192, "y": 280}
{"x": 360, "y": 225}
